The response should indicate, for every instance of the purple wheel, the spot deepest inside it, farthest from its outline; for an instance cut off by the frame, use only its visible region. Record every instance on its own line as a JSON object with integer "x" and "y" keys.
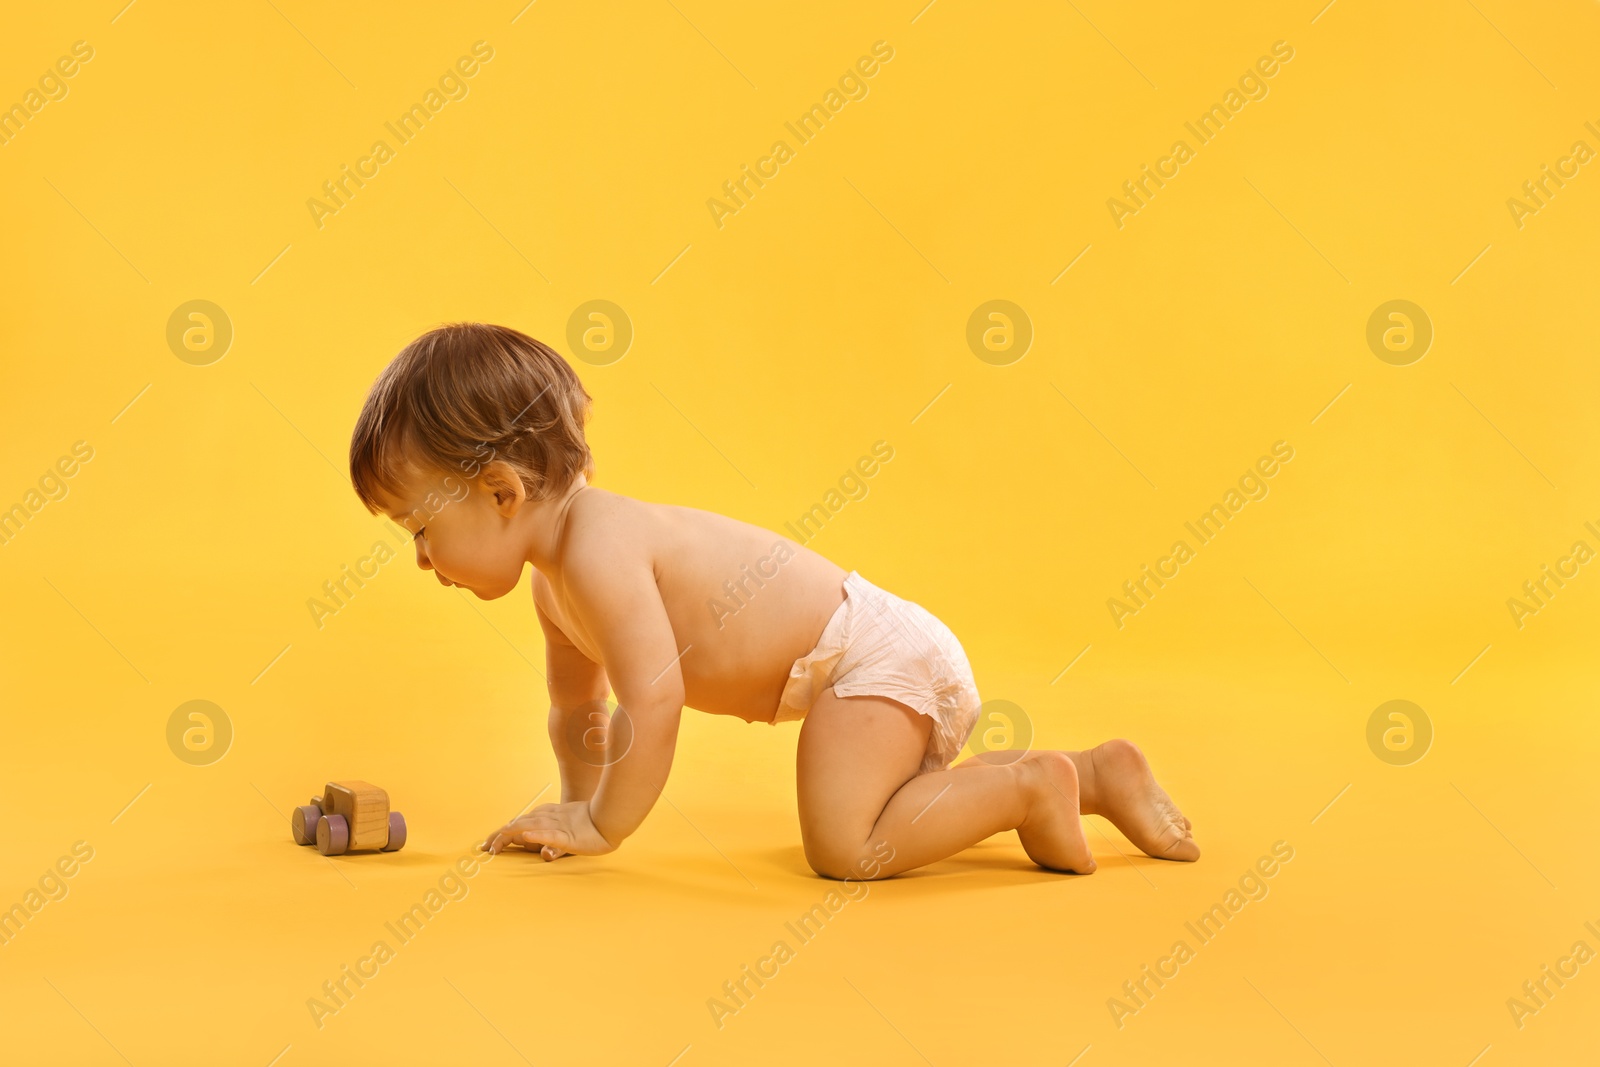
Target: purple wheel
{"x": 304, "y": 824}
{"x": 333, "y": 835}
{"x": 397, "y": 832}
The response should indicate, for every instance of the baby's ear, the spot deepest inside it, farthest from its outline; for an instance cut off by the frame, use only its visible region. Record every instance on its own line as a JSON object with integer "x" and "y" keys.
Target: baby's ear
{"x": 501, "y": 479}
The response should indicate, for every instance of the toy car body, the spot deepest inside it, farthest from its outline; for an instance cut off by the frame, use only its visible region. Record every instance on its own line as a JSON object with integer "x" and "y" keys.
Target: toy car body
{"x": 349, "y": 816}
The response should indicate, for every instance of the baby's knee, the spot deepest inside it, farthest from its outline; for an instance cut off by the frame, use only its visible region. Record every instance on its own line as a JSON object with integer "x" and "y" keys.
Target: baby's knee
{"x": 833, "y": 861}
{"x": 828, "y": 867}
{"x": 843, "y": 861}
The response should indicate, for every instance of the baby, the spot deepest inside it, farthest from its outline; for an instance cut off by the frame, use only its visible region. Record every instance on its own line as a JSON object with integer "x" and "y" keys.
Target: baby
{"x": 473, "y": 440}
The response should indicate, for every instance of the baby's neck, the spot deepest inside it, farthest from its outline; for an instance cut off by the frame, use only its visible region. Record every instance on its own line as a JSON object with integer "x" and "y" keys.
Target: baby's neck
{"x": 546, "y": 522}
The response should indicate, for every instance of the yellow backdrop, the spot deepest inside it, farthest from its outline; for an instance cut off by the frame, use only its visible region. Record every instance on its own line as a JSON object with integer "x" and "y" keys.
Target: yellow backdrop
{"x": 1081, "y": 267}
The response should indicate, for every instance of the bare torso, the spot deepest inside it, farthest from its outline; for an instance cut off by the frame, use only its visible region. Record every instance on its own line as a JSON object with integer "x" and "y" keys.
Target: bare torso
{"x": 743, "y": 601}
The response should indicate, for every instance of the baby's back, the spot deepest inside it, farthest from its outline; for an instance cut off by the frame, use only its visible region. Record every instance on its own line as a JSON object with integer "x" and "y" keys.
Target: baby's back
{"x": 744, "y": 601}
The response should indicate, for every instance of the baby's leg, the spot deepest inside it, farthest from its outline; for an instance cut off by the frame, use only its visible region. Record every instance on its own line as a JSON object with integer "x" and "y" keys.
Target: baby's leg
{"x": 859, "y": 792}
{"x": 1114, "y": 781}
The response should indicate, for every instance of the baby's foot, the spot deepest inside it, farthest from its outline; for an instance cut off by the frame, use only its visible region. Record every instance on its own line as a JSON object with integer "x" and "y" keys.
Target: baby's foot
{"x": 1052, "y": 831}
{"x": 1126, "y": 793}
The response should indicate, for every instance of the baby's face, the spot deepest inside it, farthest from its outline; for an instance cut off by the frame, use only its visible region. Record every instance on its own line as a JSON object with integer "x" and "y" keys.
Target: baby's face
{"x": 461, "y": 532}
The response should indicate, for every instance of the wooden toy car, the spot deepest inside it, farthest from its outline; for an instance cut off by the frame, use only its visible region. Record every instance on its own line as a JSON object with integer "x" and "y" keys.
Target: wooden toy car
{"x": 349, "y": 816}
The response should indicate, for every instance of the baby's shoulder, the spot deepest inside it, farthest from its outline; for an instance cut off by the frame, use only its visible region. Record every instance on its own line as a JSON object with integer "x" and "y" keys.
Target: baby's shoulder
{"x": 605, "y": 531}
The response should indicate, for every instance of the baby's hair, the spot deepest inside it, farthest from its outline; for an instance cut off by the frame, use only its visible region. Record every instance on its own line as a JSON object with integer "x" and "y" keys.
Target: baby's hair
{"x": 464, "y": 394}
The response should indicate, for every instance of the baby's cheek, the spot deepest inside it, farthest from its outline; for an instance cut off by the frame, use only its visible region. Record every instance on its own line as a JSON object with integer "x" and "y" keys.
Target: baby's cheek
{"x": 455, "y": 565}
{"x": 475, "y": 563}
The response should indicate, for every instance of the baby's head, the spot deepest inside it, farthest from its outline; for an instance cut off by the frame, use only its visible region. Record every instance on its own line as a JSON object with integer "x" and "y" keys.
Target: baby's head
{"x": 461, "y": 438}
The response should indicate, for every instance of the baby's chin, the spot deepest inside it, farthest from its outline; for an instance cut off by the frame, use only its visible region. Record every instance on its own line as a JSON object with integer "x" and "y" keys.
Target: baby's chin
{"x": 488, "y": 592}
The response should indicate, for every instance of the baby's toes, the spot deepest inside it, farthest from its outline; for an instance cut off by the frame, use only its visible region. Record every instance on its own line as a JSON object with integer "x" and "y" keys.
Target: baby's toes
{"x": 1183, "y": 847}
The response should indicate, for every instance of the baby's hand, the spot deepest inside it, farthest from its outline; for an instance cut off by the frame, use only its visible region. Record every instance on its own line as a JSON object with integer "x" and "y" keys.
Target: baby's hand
{"x": 555, "y": 830}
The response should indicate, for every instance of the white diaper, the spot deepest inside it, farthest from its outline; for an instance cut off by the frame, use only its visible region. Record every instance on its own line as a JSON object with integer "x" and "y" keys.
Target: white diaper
{"x": 878, "y": 644}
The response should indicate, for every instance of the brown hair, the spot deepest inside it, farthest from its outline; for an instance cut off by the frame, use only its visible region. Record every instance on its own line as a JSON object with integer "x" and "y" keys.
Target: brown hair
{"x": 466, "y": 393}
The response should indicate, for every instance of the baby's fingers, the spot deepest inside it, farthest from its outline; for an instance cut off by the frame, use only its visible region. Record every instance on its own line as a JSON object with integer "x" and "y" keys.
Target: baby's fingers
{"x": 507, "y": 832}
{"x": 528, "y": 819}
{"x": 538, "y": 840}
{"x": 511, "y": 835}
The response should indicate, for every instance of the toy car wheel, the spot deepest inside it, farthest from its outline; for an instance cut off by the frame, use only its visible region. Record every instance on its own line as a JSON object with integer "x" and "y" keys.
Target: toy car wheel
{"x": 333, "y": 835}
{"x": 397, "y": 832}
{"x": 304, "y": 824}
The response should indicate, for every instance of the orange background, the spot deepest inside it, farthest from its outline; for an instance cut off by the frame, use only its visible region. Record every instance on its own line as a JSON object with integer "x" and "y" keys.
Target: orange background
{"x": 768, "y": 354}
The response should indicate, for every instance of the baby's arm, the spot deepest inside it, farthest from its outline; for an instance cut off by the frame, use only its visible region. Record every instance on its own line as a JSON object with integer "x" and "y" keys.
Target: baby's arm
{"x": 619, "y": 602}
{"x": 614, "y": 595}
{"x": 577, "y": 685}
